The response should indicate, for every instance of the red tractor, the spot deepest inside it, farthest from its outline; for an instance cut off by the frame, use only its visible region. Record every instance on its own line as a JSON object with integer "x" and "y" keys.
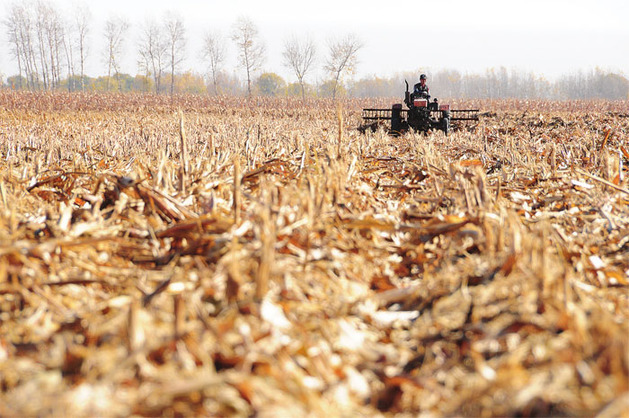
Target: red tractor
{"x": 422, "y": 115}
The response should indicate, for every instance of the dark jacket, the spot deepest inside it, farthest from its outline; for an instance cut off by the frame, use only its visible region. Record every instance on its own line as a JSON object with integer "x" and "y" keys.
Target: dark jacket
{"x": 421, "y": 92}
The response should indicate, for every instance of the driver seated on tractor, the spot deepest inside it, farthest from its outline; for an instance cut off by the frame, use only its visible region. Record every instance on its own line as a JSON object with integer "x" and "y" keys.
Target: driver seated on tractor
{"x": 421, "y": 90}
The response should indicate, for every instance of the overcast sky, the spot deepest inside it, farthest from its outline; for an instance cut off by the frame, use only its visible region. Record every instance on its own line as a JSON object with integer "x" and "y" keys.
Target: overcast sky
{"x": 547, "y": 37}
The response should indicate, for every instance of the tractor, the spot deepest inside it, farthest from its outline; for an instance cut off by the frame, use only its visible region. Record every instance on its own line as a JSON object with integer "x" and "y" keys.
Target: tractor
{"x": 422, "y": 116}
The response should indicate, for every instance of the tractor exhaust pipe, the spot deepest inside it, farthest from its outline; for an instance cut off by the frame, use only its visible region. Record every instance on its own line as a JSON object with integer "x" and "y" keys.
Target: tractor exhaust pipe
{"x": 407, "y": 95}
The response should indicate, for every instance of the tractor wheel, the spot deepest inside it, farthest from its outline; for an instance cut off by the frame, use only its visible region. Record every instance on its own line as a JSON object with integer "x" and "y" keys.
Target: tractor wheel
{"x": 396, "y": 117}
{"x": 402, "y": 129}
{"x": 445, "y": 122}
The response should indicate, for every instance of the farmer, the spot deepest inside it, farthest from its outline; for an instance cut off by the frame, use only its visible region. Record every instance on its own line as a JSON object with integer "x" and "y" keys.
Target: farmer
{"x": 421, "y": 90}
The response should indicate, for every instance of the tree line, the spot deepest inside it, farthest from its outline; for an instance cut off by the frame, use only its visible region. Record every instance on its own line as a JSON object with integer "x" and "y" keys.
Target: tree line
{"x": 51, "y": 50}
{"x": 503, "y": 83}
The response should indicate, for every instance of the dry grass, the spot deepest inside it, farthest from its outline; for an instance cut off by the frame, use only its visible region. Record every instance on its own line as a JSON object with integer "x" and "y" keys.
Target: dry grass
{"x": 285, "y": 265}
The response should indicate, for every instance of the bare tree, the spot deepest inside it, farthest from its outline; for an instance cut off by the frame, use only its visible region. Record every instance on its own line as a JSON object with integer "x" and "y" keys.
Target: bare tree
{"x": 68, "y": 49}
{"x": 299, "y": 56}
{"x": 251, "y": 50}
{"x": 82, "y": 20}
{"x": 29, "y": 43}
{"x": 214, "y": 52}
{"x": 19, "y": 33}
{"x": 115, "y": 30}
{"x": 342, "y": 59}
{"x": 49, "y": 35}
{"x": 176, "y": 43}
{"x": 26, "y": 36}
{"x": 40, "y": 36}
{"x": 153, "y": 51}
{"x": 56, "y": 41}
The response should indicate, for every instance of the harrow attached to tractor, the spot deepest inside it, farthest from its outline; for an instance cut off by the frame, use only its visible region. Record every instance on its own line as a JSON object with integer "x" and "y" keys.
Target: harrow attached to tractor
{"x": 422, "y": 115}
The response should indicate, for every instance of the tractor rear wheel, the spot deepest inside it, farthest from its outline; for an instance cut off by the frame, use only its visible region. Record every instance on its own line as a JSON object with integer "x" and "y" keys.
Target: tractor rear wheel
{"x": 445, "y": 122}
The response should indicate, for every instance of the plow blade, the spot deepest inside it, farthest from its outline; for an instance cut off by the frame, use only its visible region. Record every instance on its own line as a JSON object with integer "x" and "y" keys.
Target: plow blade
{"x": 463, "y": 114}
{"x": 397, "y": 120}
{"x": 374, "y": 115}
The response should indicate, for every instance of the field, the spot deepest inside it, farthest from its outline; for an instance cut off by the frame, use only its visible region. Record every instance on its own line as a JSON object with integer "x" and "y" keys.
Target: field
{"x": 232, "y": 257}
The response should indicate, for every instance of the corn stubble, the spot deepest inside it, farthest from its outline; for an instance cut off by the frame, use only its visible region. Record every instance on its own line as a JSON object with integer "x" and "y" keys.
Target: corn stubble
{"x": 214, "y": 256}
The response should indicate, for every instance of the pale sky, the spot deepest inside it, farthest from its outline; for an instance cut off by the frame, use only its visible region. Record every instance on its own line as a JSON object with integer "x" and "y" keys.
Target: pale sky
{"x": 547, "y": 37}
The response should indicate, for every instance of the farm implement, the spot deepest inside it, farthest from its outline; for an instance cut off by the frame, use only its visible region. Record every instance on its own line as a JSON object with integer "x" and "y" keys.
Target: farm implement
{"x": 421, "y": 115}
